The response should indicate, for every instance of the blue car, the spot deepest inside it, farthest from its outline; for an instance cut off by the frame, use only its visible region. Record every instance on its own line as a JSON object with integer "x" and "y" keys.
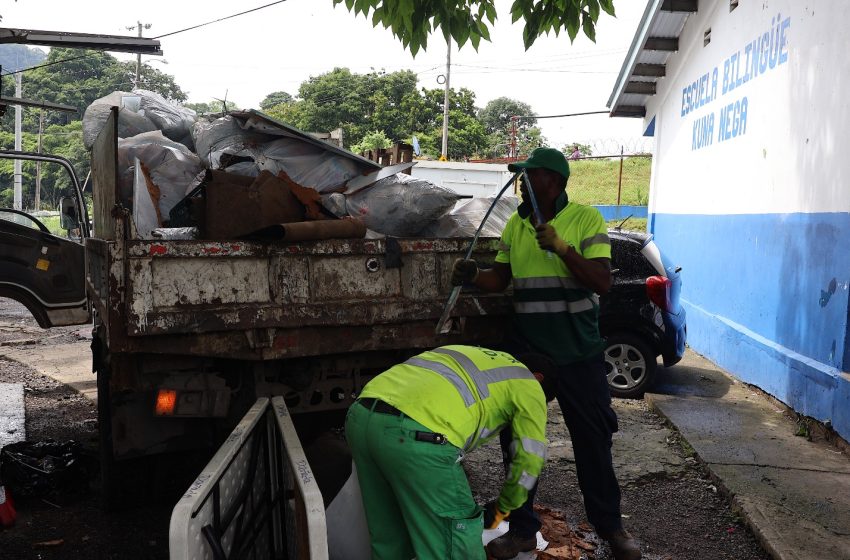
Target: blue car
{"x": 641, "y": 317}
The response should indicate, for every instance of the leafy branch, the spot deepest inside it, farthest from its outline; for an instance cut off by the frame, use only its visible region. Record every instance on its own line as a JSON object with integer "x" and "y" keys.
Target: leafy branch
{"x": 412, "y": 21}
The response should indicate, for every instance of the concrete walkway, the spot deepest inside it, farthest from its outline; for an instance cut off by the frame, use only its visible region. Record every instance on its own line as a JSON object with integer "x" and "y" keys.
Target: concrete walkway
{"x": 793, "y": 493}
{"x": 66, "y": 363}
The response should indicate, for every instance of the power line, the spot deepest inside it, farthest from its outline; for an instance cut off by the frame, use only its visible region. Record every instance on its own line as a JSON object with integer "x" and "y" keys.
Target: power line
{"x": 220, "y": 19}
{"x": 559, "y": 116}
{"x": 159, "y": 37}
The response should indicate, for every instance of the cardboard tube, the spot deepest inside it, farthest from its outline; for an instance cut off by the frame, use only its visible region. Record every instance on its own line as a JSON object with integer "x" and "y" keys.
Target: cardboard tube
{"x": 314, "y": 230}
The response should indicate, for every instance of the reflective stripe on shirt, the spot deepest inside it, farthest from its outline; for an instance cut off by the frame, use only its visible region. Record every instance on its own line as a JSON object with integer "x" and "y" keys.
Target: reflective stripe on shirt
{"x": 553, "y": 306}
{"x": 527, "y": 481}
{"x": 598, "y": 238}
{"x": 547, "y": 282}
{"x": 483, "y": 378}
{"x": 449, "y": 374}
{"x": 529, "y": 445}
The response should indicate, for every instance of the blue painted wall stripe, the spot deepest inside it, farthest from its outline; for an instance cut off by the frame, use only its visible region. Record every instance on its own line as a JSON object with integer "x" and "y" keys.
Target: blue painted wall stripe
{"x": 614, "y": 212}
{"x": 767, "y": 298}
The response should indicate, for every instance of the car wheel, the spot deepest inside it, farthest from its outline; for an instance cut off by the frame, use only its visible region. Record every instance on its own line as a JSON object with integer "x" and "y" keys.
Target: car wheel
{"x": 629, "y": 365}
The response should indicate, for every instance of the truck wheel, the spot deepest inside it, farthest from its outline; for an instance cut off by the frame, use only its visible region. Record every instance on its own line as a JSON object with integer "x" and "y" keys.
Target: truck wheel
{"x": 629, "y": 364}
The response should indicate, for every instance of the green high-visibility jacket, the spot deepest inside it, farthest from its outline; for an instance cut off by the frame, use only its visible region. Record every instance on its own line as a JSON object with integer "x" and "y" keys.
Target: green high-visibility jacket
{"x": 469, "y": 394}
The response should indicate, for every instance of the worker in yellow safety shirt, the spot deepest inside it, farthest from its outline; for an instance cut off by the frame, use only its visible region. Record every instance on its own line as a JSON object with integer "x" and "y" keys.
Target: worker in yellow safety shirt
{"x": 408, "y": 432}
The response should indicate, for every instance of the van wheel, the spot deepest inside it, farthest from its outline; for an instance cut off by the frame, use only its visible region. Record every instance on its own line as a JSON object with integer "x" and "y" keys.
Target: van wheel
{"x": 629, "y": 365}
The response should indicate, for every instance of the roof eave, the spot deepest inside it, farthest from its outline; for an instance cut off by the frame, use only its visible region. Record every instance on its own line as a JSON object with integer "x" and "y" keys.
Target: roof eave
{"x": 649, "y": 15}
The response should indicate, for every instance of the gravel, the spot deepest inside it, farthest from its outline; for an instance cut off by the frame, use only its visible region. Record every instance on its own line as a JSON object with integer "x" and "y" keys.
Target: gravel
{"x": 669, "y": 504}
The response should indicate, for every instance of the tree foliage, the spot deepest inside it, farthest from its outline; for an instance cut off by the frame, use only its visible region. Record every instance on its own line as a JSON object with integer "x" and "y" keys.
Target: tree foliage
{"x": 496, "y": 117}
{"x": 374, "y": 140}
{"x": 65, "y": 141}
{"x": 411, "y": 21}
{"x": 275, "y": 98}
{"x": 357, "y": 103}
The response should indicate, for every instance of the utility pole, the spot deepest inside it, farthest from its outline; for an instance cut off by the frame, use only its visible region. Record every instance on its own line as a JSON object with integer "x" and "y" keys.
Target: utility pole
{"x": 17, "y": 201}
{"x": 139, "y": 26}
{"x": 445, "y": 152}
{"x": 37, "y": 204}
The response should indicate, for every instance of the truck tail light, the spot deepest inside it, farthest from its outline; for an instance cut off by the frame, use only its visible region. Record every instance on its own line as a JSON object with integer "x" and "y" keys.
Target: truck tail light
{"x": 658, "y": 290}
{"x": 166, "y": 401}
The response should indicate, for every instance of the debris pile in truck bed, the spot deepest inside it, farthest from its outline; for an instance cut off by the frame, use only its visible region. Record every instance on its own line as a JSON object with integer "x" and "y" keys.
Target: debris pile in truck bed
{"x": 245, "y": 175}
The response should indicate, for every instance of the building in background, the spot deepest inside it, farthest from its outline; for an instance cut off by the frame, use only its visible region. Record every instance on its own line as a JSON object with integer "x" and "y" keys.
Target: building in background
{"x": 747, "y": 102}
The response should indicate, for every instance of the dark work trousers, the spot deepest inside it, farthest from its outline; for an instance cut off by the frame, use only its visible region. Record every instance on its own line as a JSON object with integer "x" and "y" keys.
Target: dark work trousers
{"x": 585, "y": 402}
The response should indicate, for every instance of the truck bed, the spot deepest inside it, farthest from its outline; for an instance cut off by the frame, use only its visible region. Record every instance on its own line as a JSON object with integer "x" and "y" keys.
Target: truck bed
{"x": 274, "y": 300}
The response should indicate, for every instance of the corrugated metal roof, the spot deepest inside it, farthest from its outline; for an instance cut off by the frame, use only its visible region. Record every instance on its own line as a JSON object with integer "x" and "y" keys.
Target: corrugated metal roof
{"x": 655, "y": 41}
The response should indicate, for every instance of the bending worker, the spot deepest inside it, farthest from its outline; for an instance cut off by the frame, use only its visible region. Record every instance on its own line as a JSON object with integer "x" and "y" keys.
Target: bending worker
{"x": 408, "y": 432}
{"x": 557, "y": 268}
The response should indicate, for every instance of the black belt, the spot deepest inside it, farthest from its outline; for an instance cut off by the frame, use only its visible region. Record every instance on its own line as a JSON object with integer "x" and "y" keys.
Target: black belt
{"x": 377, "y": 405}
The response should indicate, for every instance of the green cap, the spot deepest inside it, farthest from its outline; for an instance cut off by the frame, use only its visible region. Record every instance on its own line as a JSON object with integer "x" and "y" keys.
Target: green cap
{"x": 544, "y": 158}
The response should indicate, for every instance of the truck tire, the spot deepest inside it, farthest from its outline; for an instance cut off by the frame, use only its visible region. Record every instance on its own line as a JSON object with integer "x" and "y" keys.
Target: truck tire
{"x": 630, "y": 365}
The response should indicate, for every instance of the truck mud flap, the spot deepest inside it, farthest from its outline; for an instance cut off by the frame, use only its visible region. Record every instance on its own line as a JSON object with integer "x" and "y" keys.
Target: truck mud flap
{"x": 257, "y": 497}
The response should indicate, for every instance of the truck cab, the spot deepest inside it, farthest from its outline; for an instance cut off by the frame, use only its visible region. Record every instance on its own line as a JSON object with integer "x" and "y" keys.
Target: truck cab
{"x": 41, "y": 270}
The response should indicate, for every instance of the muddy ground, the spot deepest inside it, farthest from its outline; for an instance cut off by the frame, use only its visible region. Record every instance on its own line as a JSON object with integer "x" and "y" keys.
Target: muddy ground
{"x": 669, "y": 504}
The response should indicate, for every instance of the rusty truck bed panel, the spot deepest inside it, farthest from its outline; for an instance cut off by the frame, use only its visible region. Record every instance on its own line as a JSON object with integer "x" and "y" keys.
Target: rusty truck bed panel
{"x": 272, "y": 300}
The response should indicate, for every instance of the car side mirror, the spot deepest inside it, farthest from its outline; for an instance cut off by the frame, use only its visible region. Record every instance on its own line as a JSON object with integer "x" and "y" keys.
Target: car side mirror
{"x": 68, "y": 215}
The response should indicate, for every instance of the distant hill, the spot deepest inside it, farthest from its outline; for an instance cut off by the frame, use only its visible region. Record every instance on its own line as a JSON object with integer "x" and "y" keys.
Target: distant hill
{"x": 18, "y": 57}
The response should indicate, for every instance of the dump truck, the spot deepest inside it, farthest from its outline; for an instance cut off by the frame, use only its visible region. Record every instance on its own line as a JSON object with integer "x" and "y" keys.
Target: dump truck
{"x": 188, "y": 334}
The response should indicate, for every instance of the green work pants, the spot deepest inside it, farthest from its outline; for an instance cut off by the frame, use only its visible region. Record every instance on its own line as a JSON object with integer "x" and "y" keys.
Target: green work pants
{"x": 415, "y": 493}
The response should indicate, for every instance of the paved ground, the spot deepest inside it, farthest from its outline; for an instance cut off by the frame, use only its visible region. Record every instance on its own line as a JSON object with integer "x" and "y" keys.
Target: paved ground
{"x": 793, "y": 492}
{"x": 669, "y": 501}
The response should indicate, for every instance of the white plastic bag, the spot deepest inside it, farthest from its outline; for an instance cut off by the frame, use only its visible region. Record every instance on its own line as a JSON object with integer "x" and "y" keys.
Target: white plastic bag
{"x": 130, "y": 123}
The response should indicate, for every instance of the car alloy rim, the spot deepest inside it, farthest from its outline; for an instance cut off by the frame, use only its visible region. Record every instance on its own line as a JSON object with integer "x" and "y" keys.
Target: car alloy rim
{"x": 625, "y": 365}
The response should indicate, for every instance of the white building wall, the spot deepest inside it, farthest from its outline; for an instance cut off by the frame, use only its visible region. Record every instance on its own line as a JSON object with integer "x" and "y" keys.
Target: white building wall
{"x": 758, "y": 216}
{"x": 796, "y": 112}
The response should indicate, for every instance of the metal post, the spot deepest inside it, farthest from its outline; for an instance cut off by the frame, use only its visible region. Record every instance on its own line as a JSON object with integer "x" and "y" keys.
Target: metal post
{"x": 17, "y": 202}
{"x": 514, "y": 149}
{"x": 138, "y": 56}
{"x": 445, "y": 151}
{"x": 620, "y": 182}
{"x": 37, "y": 204}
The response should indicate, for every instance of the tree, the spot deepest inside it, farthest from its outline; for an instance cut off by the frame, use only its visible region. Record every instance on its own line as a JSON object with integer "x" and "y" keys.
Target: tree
{"x": 77, "y": 77}
{"x": 211, "y": 107}
{"x": 152, "y": 79}
{"x": 467, "y": 20}
{"x": 374, "y": 140}
{"x": 275, "y": 98}
{"x": 496, "y": 117}
{"x": 357, "y": 103}
{"x": 467, "y": 135}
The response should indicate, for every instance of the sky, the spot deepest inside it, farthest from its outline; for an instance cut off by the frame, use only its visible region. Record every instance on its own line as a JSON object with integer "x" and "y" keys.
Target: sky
{"x": 279, "y": 47}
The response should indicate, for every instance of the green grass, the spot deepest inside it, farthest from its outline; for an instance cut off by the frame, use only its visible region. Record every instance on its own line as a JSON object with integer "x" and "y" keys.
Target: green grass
{"x": 595, "y": 181}
{"x": 632, "y": 224}
{"x": 52, "y": 223}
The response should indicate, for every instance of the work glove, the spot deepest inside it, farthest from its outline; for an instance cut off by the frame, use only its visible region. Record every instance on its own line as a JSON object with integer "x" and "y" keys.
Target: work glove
{"x": 492, "y": 516}
{"x": 548, "y": 240}
{"x": 463, "y": 271}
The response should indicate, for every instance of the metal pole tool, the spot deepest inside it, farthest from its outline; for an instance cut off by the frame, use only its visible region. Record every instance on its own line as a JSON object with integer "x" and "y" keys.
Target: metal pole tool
{"x": 452, "y": 301}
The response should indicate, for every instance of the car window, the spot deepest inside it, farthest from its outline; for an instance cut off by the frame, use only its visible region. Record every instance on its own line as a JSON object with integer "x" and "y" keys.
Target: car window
{"x": 19, "y": 219}
{"x": 627, "y": 258}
